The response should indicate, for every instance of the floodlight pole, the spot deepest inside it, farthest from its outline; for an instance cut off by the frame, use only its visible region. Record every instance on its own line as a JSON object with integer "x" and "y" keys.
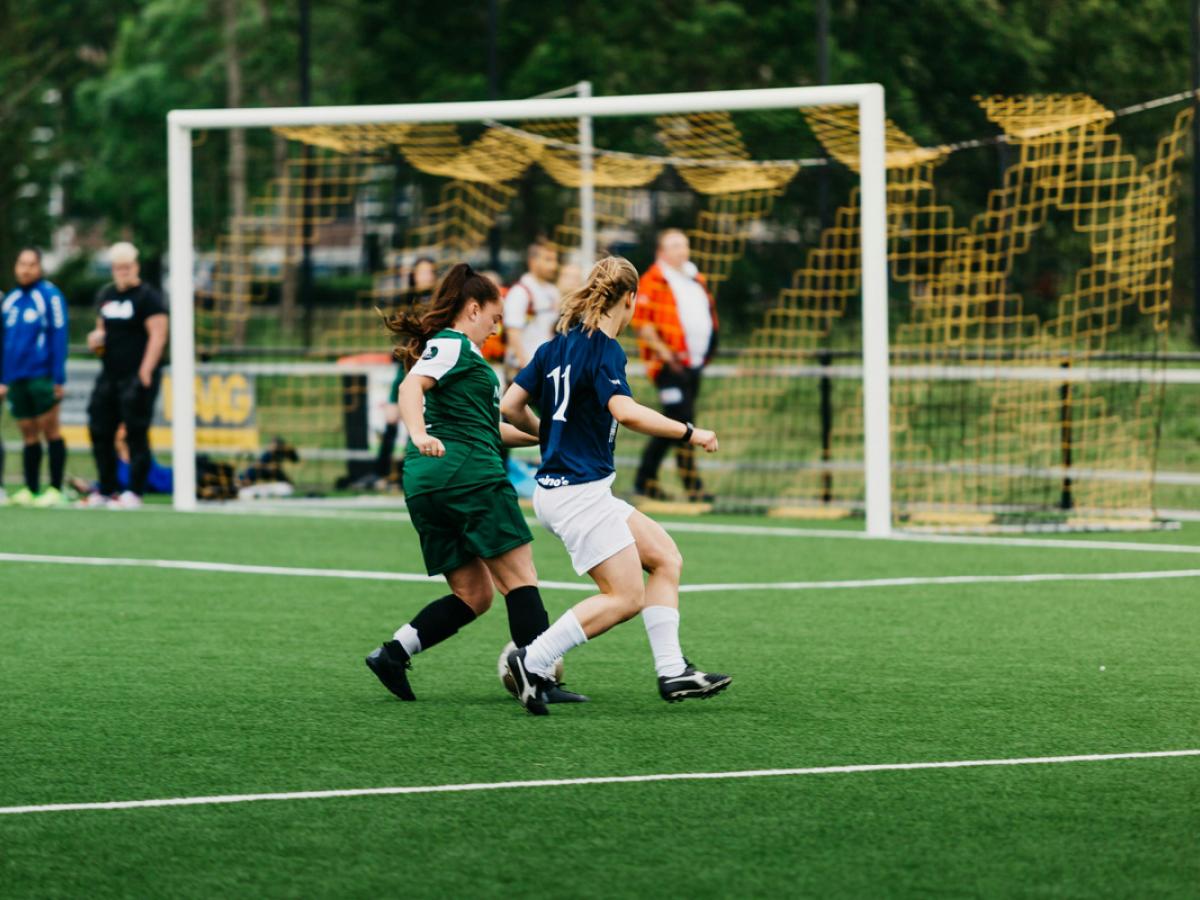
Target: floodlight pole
{"x": 823, "y": 78}
{"x": 868, "y": 98}
{"x": 587, "y": 193}
{"x": 306, "y": 228}
{"x": 1195, "y": 9}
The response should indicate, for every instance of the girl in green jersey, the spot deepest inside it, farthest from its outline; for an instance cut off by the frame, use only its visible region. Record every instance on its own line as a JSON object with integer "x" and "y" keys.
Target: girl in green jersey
{"x": 465, "y": 511}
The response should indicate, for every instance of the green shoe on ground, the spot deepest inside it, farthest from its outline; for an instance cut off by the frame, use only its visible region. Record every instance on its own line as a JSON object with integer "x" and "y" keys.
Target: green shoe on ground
{"x": 51, "y": 496}
{"x": 23, "y": 497}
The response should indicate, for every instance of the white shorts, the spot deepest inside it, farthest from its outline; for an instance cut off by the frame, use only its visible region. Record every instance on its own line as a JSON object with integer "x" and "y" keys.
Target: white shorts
{"x": 587, "y": 518}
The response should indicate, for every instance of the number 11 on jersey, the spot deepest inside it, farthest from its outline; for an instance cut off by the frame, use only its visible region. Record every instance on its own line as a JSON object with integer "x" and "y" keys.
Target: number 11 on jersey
{"x": 562, "y": 378}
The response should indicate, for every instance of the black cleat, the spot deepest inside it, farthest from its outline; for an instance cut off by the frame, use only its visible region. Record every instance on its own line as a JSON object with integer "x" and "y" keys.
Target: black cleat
{"x": 651, "y": 491}
{"x": 390, "y": 664}
{"x": 531, "y": 687}
{"x": 556, "y": 693}
{"x": 692, "y": 684}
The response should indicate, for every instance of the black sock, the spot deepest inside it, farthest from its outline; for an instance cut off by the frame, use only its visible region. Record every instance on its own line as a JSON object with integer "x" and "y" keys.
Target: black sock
{"x": 58, "y": 462}
{"x": 527, "y": 617}
{"x": 33, "y": 466}
{"x": 441, "y": 619}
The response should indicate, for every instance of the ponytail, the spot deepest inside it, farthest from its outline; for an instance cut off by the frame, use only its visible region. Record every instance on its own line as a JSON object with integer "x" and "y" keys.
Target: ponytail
{"x": 607, "y": 284}
{"x": 413, "y": 326}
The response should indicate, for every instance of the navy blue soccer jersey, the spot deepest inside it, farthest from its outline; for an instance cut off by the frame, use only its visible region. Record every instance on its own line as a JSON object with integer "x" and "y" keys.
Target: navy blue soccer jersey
{"x": 571, "y": 379}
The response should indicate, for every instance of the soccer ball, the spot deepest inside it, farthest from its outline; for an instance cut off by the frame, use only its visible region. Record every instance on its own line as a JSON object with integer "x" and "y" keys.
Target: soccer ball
{"x": 506, "y": 679}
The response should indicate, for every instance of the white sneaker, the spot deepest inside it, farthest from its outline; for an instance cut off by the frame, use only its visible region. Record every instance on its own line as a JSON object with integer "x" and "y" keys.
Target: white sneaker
{"x": 96, "y": 500}
{"x": 127, "y": 500}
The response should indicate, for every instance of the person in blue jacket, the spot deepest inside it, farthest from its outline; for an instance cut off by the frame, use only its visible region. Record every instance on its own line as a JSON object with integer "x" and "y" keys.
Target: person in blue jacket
{"x": 33, "y": 373}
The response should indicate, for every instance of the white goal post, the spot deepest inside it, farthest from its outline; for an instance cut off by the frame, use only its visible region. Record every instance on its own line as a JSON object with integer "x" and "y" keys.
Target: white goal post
{"x": 868, "y": 98}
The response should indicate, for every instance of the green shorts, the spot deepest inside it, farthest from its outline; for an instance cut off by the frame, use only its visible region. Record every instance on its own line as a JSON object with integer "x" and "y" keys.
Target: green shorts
{"x": 461, "y": 524}
{"x": 31, "y": 397}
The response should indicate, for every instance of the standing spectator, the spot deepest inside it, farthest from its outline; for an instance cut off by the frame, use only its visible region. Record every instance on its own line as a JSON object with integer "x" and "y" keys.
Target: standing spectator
{"x": 531, "y": 306}
{"x": 676, "y": 322}
{"x": 33, "y": 374}
{"x": 130, "y": 335}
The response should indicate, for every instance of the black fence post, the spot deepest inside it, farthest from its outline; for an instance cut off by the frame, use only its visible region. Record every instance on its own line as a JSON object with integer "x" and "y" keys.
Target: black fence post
{"x": 1066, "y": 501}
{"x": 825, "y": 387}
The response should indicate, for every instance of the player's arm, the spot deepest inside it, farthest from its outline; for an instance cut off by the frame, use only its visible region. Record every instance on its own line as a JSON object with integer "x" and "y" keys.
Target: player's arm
{"x": 515, "y": 437}
{"x": 156, "y": 329}
{"x": 58, "y": 342}
{"x": 95, "y": 338}
{"x": 3, "y": 381}
{"x": 515, "y": 407}
{"x": 645, "y": 420}
{"x": 412, "y": 413}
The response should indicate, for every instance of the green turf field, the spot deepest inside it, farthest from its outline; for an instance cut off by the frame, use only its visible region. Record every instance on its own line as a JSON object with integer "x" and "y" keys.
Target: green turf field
{"x": 134, "y": 683}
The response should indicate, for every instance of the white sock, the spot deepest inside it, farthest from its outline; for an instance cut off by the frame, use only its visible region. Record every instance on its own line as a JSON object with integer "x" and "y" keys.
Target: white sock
{"x": 662, "y": 627}
{"x": 409, "y": 639}
{"x": 553, "y": 643}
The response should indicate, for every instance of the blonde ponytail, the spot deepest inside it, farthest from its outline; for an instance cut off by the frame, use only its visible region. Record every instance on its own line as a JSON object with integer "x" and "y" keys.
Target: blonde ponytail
{"x": 607, "y": 284}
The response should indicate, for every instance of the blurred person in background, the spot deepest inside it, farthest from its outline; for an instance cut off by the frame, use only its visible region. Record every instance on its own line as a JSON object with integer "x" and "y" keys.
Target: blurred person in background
{"x": 33, "y": 375}
{"x": 676, "y": 324}
{"x": 570, "y": 278}
{"x": 531, "y": 306}
{"x": 130, "y": 336}
{"x": 422, "y": 278}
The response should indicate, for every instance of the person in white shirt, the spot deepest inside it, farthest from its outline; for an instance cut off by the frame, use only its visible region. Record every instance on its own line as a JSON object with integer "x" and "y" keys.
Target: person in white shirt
{"x": 531, "y": 307}
{"x": 676, "y": 322}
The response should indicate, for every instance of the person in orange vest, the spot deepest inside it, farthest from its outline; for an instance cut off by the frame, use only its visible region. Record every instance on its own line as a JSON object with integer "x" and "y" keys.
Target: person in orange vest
{"x": 676, "y": 324}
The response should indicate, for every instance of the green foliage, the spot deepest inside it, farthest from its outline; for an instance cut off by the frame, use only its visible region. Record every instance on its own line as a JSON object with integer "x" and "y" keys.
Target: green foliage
{"x": 120, "y": 68}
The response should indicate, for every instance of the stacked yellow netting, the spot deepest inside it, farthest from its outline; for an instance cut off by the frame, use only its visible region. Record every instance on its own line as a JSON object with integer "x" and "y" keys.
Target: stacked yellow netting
{"x": 1002, "y": 444}
{"x": 738, "y": 192}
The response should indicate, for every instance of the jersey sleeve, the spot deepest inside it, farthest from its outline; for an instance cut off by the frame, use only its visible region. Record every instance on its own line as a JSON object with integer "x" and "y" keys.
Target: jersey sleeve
{"x": 58, "y": 336}
{"x": 152, "y": 303}
{"x": 610, "y": 380}
{"x": 516, "y": 306}
{"x": 440, "y": 357}
{"x": 530, "y": 377}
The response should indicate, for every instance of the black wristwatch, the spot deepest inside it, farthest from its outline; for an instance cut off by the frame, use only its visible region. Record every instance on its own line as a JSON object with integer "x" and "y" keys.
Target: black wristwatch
{"x": 687, "y": 435}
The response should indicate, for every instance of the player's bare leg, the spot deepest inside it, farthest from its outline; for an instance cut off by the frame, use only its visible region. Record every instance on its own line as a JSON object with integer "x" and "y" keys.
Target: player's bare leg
{"x": 516, "y": 578}
{"x": 678, "y": 679}
{"x": 621, "y": 593}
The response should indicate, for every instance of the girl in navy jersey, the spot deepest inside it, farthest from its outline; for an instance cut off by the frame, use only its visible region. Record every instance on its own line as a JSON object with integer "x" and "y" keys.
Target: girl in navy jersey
{"x": 578, "y": 383}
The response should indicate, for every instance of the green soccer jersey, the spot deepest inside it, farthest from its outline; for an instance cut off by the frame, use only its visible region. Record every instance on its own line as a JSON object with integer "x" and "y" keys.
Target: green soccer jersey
{"x": 463, "y": 411}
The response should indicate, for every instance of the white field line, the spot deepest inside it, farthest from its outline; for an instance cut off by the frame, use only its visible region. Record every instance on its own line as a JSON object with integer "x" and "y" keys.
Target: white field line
{"x": 915, "y": 538}
{"x": 243, "y": 569}
{"x": 368, "y": 575}
{"x": 779, "y": 531}
{"x": 941, "y": 579}
{"x": 573, "y": 782}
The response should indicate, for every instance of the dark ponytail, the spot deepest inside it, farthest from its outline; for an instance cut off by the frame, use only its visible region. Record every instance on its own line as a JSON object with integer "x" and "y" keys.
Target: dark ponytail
{"x": 413, "y": 326}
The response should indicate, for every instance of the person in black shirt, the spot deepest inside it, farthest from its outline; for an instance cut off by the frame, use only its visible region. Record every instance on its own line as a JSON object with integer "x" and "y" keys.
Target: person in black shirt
{"x": 130, "y": 335}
